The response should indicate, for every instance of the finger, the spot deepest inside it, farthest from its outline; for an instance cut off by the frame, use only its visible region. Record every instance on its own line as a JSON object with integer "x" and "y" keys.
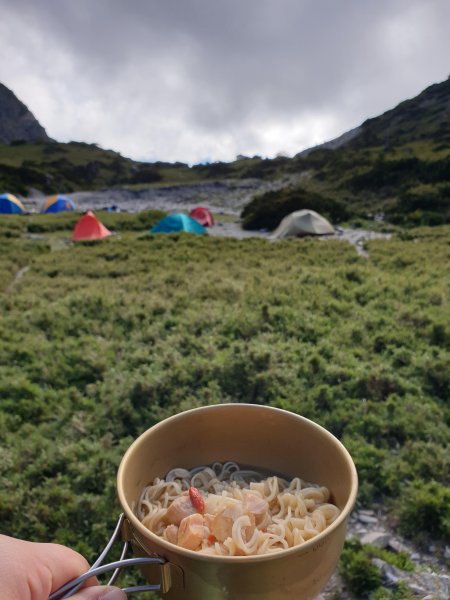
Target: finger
{"x": 100, "y": 593}
{"x": 63, "y": 563}
{"x": 29, "y": 570}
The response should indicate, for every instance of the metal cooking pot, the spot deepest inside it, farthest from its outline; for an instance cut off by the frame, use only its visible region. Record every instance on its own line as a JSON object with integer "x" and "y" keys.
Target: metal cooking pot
{"x": 270, "y": 439}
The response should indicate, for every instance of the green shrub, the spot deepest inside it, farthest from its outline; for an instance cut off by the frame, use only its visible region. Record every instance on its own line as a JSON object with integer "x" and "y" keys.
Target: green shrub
{"x": 401, "y": 592}
{"x": 101, "y": 341}
{"x": 357, "y": 570}
{"x": 423, "y": 511}
{"x": 267, "y": 210}
{"x": 121, "y": 221}
{"x": 363, "y": 578}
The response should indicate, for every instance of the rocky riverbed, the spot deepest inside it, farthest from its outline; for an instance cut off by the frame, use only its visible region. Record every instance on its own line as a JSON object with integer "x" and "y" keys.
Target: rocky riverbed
{"x": 226, "y": 197}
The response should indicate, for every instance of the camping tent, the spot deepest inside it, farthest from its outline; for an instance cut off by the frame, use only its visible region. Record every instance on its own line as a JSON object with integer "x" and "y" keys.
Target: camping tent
{"x": 178, "y": 222}
{"x": 89, "y": 228}
{"x": 302, "y": 222}
{"x": 57, "y": 203}
{"x": 202, "y": 215}
{"x": 9, "y": 204}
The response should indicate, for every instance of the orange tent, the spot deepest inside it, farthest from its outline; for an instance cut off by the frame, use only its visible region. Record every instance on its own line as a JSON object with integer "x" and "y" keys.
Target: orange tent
{"x": 89, "y": 228}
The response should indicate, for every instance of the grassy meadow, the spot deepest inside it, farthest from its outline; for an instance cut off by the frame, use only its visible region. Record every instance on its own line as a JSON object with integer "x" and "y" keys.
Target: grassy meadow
{"x": 102, "y": 340}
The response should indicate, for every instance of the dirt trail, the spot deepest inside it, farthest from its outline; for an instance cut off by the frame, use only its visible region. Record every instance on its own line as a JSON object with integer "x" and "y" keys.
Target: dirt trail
{"x": 20, "y": 273}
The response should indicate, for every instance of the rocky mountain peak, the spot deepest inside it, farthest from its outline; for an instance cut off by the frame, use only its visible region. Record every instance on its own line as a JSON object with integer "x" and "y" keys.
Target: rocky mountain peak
{"x": 16, "y": 121}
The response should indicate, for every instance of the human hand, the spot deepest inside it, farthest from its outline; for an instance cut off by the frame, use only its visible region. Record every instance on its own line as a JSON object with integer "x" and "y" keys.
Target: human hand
{"x": 31, "y": 571}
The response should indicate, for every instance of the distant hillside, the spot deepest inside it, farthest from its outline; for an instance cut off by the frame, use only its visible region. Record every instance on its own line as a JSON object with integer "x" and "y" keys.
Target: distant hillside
{"x": 342, "y": 140}
{"x": 425, "y": 117}
{"x": 56, "y": 167}
{"x": 395, "y": 166}
{"x": 29, "y": 158}
{"x": 16, "y": 121}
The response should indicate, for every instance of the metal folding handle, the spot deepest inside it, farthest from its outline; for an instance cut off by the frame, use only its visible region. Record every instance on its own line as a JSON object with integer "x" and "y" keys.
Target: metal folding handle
{"x": 69, "y": 588}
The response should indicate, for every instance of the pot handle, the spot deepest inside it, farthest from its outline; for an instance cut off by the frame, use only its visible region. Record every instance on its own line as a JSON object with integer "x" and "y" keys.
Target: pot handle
{"x": 72, "y": 586}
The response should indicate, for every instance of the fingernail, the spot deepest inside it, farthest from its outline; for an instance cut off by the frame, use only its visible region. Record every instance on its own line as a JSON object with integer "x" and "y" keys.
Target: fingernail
{"x": 114, "y": 594}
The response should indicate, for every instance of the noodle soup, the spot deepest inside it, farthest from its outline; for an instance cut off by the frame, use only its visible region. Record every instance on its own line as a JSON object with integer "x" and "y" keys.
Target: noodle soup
{"x": 280, "y": 445}
{"x": 227, "y": 510}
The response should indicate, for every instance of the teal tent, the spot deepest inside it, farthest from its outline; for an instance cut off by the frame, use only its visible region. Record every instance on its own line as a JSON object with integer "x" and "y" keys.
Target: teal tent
{"x": 178, "y": 222}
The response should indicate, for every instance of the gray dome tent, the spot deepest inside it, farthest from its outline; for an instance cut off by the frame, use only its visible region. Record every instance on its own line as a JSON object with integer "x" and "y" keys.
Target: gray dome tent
{"x": 302, "y": 222}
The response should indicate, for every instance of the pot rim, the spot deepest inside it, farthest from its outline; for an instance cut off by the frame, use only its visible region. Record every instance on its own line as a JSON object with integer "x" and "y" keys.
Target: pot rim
{"x": 303, "y": 548}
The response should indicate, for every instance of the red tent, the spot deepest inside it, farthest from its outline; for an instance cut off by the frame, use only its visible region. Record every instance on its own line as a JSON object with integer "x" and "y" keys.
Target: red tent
{"x": 202, "y": 215}
{"x": 89, "y": 228}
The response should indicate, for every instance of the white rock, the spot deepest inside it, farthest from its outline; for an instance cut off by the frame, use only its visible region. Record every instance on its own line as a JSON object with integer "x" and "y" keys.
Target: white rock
{"x": 367, "y": 519}
{"x": 376, "y": 538}
{"x": 397, "y": 546}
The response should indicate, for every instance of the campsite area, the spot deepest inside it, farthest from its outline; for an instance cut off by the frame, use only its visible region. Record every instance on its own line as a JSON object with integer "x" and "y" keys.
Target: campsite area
{"x": 225, "y": 199}
{"x": 103, "y": 339}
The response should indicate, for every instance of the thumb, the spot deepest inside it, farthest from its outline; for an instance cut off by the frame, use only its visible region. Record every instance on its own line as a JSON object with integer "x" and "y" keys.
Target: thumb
{"x": 97, "y": 592}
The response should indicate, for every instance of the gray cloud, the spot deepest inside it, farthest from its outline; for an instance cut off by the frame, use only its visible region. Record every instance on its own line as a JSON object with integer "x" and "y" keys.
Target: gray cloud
{"x": 199, "y": 79}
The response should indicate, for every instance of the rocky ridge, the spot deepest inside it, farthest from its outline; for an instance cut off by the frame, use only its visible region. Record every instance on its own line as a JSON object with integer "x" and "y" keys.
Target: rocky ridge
{"x": 16, "y": 121}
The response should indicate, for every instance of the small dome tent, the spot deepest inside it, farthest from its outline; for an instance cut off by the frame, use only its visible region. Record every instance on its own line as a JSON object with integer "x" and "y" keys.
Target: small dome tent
{"x": 300, "y": 223}
{"x": 11, "y": 205}
{"x": 57, "y": 203}
{"x": 178, "y": 222}
{"x": 89, "y": 228}
{"x": 202, "y": 215}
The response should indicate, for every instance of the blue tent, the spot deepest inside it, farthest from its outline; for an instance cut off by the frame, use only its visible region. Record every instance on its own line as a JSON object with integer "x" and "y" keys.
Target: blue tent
{"x": 9, "y": 204}
{"x": 57, "y": 203}
{"x": 178, "y": 222}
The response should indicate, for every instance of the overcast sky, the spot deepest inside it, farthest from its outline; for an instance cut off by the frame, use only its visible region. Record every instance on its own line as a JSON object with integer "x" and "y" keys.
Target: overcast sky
{"x": 206, "y": 80}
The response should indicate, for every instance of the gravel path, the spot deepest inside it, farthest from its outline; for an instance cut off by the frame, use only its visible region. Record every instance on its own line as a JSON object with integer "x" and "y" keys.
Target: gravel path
{"x": 357, "y": 237}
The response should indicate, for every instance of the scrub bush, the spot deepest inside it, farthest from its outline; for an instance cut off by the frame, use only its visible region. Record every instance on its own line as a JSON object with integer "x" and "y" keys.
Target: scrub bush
{"x": 424, "y": 507}
{"x": 363, "y": 577}
{"x": 357, "y": 570}
{"x": 101, "y": 341}
{"x": 267, "y": 210}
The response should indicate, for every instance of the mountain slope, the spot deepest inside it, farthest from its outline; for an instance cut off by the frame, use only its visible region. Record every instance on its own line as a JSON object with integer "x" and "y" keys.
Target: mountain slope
{"x": 341, "y": 140}
{"x": 396, "y": 165}
{"x": 425, "y": 117}
{"x": 53, "y": 167}
{"x": 16, "y": 121}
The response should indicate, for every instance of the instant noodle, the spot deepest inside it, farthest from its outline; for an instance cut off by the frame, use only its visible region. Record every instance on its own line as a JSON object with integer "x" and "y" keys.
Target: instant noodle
{"x": 274, "y": 442}
{"x": 234, "y": 511}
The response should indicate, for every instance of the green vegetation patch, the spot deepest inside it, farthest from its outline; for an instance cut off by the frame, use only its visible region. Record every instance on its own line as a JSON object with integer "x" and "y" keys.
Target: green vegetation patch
{"x": 363, "y": 577}
{"x": 100, "y": 341}
{"x": 267, "y": 210}
{"x": 118, "y": 222}
{"x": 54, "y": 167}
